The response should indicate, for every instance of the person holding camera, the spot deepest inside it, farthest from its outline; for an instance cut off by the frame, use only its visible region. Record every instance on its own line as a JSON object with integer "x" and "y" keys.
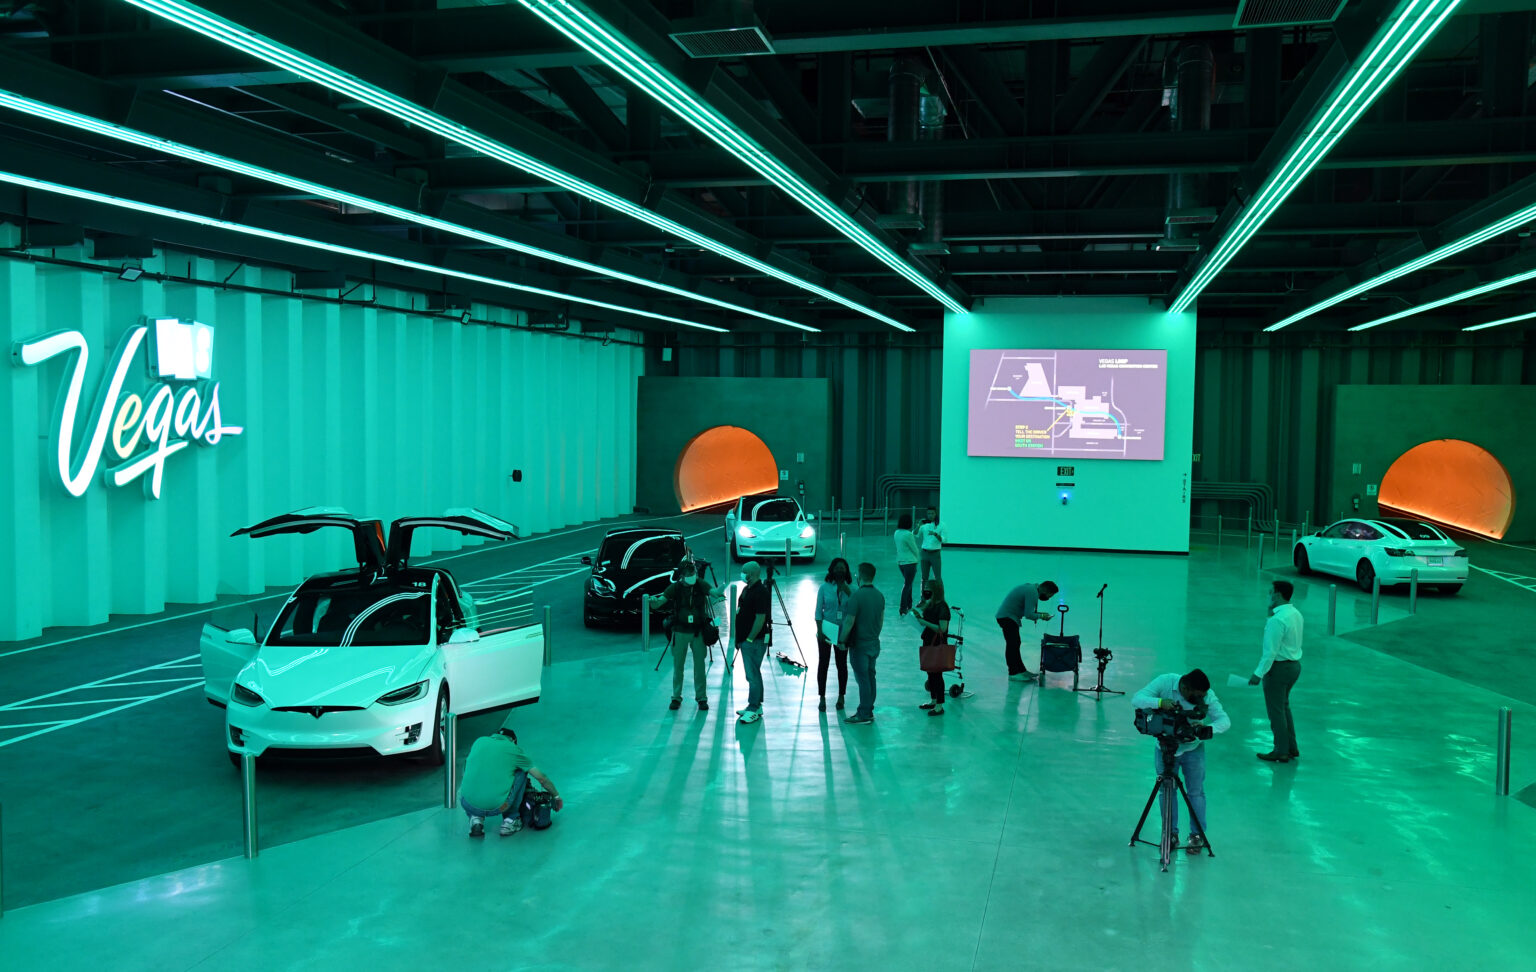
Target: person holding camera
{"x": 1190, "y": 692}
{"x": 930, "y": 541}
{"x": 862, "y": 621}
{"x": 750, "y": 628}
{"x": 1279, "y": 668}
{"x": 1022, "y": 603}
{"x": 836, "y": 591}
{"x": 690, "y": 602}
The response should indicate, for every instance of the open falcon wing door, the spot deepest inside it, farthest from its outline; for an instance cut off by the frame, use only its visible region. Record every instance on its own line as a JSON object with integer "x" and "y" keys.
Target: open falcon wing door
{"x": 367, "y": 535}
{"x": 470, "y": 522}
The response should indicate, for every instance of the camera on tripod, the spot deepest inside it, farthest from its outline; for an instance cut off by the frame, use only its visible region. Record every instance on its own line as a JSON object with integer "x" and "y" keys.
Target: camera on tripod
{"x": 1103, "y": 654}
{"x": 1175, "y": 725}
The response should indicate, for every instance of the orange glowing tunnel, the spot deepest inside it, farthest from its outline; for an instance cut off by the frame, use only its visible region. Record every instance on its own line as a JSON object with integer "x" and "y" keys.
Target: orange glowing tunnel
{"x": 720, "y": 464}
{"x": 1451, "y": 482}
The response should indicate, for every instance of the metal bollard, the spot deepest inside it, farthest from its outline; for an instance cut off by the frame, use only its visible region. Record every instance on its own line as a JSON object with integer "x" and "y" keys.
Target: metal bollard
{"x": 1413, "y": 591}
{"x": 1501, "y": 767}
{"x": 1277, "y": 534}
{"x": 789, "y": 559}
{"x": 645, "y": 622}
{"x": 451, "y": 762}
{"x": 1306, "y": 521}
{"x": 1218, "y": 531}
{"x": 1261, "y": 552}
{"x": 549, "y": 650}
{"x": 1375, "y": 599}
{"x": 861, "y": 516}
{"x": 729, "y": 635}
{"x": 1333, "y": 606}
{"x": 2, "y": 859}
{"x": 1293, "y": 540}
{"x": 842, "y": 540}
{"x": 1248, "y": 540}
{"x": 248, "y": 798}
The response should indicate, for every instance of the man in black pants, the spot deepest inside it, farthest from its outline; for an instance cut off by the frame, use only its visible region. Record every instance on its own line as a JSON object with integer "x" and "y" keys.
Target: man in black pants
{"x": 1023, "y": 602}
{"x": 1279, "y": 668}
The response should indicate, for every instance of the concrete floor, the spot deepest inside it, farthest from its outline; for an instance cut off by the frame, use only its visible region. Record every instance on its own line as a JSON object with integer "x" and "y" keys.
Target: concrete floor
{"x": 991, "y": 838}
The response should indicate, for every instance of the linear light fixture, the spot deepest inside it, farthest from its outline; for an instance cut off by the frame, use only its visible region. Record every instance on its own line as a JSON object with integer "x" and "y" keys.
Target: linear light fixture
{"x": 63, "y": 116}
{"x": 613, "y": 48}
{"x": 1398, "y": 39}
{"x": 240, "y": 38}
{"x": 119, "y": 202}
{"x": 1509, "y": 223}
{"x": 1502, "y": 320}
{"x": 1468, "y": 294}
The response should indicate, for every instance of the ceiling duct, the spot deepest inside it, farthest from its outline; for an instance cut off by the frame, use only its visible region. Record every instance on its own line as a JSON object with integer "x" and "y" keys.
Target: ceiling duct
{"x": 1193, "y": 88}
{"x": 915, "y": 114}
{"x": 1286, "y": 13}
{"x": 724, "y": 28}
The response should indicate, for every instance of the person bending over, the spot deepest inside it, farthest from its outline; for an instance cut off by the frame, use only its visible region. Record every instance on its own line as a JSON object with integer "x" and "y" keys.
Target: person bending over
{"x": 690, "y": 602}
{"x": 495, "y": 778}
{"x": 1186, "y": 691}
{"x": 933, "y": 615}
{"x": 751, "y": 630}
{"x": 1022, "y": 604}
{"x": 836, "y": 591}
{"x": 1279, "y": 668}
{"x": 862, "y": 621}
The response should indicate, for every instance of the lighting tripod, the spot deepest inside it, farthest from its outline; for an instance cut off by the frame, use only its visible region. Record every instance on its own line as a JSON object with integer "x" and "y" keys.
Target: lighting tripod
{"x": 1167, "y": 784}
{"x": 773, "y": 587}
{"x": 1104, "y": 655}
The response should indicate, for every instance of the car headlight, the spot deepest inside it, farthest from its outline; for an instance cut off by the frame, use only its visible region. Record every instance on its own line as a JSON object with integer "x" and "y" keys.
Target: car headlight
{"x": 600, "y": 586}
{"x": 245, "y": 696}
{"x": 746, "y": 533}
{"x": 807, "y": 533}
{"x": 401, "y": 696}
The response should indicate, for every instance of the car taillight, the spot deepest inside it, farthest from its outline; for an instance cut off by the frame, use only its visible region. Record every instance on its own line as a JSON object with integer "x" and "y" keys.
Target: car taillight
{"x": 1458, "y": 552}
{"x": 1396, "y": 552}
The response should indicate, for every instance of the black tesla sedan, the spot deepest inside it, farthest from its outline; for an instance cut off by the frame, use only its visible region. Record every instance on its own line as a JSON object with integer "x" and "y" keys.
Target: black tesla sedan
{"x": 631, "y": 562}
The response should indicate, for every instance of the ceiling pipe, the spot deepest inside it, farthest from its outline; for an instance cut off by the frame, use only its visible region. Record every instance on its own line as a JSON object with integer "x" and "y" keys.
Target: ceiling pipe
{"x": 1193, "y": 69}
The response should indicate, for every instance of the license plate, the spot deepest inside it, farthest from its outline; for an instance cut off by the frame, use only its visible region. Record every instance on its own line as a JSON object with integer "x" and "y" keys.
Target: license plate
{"x": 1435, "y": 561}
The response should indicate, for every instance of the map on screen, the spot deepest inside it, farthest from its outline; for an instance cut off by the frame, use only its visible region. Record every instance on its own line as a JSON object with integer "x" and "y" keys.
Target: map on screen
{"x": 1068, "y": 403}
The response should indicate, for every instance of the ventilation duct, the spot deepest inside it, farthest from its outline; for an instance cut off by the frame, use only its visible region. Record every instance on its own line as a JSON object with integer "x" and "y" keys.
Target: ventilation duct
{"x": 1190, "y": 97}
{"x": 724, "y": 28}
{"x": 1286, "y": 13}
{"x": 916, "y": 114}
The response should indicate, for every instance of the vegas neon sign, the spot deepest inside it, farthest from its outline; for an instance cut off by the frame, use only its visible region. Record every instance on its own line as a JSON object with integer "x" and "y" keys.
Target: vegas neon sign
{"x": 144, "y": 427}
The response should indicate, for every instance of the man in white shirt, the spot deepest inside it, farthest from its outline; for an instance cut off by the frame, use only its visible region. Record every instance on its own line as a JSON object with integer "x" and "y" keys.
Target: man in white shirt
{"x": 930, "y": 542}
{"x": 1186, "y": 691}
{"x": 1279, "y": 668}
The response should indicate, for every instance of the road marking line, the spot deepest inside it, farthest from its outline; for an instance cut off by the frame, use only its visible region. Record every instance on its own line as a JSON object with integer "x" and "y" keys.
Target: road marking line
{"x": 96, "y": 684}
{"x": 1509, "y": 578}
{"x": 30, "y": 725}
{"x": 96, "y": 715}
{"x": 57, "y": 705}
{"x": 154, "y": 681}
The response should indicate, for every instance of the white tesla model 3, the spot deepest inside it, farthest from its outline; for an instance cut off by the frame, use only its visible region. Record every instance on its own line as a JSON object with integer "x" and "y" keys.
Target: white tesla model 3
{"x": 1390, "y": 548}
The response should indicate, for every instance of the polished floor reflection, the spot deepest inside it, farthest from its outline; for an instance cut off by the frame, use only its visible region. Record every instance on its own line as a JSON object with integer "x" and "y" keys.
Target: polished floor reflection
{"x": 993, "y": 837}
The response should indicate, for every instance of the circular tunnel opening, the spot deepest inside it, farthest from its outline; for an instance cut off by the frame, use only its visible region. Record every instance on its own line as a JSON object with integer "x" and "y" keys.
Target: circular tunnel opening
{"x": 1452, "y": 482}
{"x": 720, "y": 464}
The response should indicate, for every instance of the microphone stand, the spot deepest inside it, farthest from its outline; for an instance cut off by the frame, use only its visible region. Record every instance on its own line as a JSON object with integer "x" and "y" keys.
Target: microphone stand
{"x": 1099, "y": 691}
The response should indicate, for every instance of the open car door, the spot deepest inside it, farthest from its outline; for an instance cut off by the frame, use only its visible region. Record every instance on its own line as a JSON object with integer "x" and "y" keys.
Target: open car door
{"x": 224, "y": 653}
{"x": 367, "y": 535}
{"x": 471, "y": 522}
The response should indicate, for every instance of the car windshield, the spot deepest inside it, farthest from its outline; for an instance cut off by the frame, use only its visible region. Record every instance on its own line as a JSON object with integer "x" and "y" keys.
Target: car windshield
{"x": 332, "y": 618}
{"x": 642, "y": 553}
{"x": 1414, "y": 530}
{"x": 775, "y": 511}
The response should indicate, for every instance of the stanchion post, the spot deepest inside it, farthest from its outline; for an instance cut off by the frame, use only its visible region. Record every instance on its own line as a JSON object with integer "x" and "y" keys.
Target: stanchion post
{"x": 1501, "y": 768}
{"x": 1293, "y": 539}
{"x": 788, "y": 559}
{"x": 1375, "y": 600}
{"x": 450, "y": 761}
{"x": 1306, "y": 522}
{"x": 861, "y": 516}
{"x": 1413, "y": 591}
{"x": 549, "y": 648}
{"x": 1218, "y": 531}
{"x": 1333, "y": 606}
{"x": 1277, "y": 534}
{"x": 2, "y": 859}
{"x": 1261, "y": 552}
{"x": 1248, "y": 539}
{"x": 248, "y": 804}
{"x": 842, "y": 540}
{"x": 645, "y": 622}
{"x": 730, "y": 633}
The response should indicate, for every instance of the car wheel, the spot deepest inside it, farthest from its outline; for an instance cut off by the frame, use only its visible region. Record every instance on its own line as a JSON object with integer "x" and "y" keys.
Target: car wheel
{"x": 1299, "y": 558}
{"x": 434, "y": 754}
{"x": 1364, "y": 575}
{"x": 1449, "y": 588}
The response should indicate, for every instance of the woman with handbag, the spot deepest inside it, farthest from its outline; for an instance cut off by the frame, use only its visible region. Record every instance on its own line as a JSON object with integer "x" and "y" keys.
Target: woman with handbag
{"x": 835, "y": 592}
{"x": 937, "y": 655}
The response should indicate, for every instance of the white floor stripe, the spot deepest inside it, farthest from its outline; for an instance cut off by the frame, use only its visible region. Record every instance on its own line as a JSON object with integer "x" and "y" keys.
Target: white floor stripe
{"x": 93, "y": 716}
{"x": 31, "y": 725}
{"x": 153, "y": 681}
{"x": 96, "y": 683}
{"x": 58, "y": 705}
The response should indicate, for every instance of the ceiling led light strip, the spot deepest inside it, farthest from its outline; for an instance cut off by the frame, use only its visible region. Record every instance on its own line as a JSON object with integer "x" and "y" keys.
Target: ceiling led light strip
{"x": 610, "y": 46}
{"x": 87, "y": 195}
{"x": 1468, "y": 294}
{"x": 1509, "y": 223}
{"x": 241, "y": 39}
{"x": 1502, "y": 320}
{"x": 39, "y": 109}
{"x": 1412, "y": 24}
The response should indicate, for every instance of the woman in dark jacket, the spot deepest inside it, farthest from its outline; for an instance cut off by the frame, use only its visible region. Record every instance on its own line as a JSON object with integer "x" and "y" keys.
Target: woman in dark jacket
{"x": 834, "y": 594}
{"x": 933, "y": 615}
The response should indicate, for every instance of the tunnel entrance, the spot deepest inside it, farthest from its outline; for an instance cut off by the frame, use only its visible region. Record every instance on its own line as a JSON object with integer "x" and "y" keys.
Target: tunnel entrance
{"x": 1452, "y": 482}
{"x": 720, "y": 464}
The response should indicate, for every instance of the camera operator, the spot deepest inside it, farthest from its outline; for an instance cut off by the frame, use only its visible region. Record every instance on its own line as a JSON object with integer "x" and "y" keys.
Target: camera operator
{"x": 690, "y": 603}
{"x": 1022, "y": 603}
{"x": 1191, "y": 691}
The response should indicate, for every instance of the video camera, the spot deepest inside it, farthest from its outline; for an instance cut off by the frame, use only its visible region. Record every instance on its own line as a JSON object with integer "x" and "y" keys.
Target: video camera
{"x": 1175, "y": 725}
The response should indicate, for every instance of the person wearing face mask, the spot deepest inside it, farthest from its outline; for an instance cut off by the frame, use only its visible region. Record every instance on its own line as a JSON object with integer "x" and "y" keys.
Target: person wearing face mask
{"x": 835, "y": 593}
{"x": 691, "y": 602}
{"x": 1279, "y": 668}
{"x": 751, "y": 631}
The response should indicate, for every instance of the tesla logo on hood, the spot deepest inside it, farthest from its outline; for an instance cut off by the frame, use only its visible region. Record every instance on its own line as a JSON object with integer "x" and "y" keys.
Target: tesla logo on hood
{"x": 178, "y": 406}
{"x": 316, "y": 710}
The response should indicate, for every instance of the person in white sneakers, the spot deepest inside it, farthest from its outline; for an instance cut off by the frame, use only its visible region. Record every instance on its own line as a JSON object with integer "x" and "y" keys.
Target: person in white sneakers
{"x": 495, "y": 779}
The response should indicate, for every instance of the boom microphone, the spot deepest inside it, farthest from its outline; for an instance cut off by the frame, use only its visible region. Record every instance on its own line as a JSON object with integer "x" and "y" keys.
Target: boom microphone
{"x": 1102, "y": 590}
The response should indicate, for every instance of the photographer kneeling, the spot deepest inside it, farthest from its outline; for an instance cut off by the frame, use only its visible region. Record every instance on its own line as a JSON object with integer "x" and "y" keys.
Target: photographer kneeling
{"x": 1192, "y": 692}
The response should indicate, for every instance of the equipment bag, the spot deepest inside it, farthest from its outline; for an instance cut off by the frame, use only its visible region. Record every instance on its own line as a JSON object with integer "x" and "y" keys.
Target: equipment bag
{"x": 710, "y": 633}
{"x": 536, "y": 809}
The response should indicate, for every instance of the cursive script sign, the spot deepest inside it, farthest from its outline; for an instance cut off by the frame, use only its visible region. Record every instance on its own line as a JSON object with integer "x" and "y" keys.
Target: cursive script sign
{"x": 144, "y": 427}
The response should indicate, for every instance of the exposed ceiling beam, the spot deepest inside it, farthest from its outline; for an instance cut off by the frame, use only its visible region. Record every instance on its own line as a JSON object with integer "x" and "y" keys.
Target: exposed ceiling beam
{"x": 1099, "y": 77}
{"x": 585, "y": 104}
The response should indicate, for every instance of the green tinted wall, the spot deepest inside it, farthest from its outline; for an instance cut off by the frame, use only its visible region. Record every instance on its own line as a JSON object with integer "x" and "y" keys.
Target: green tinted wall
{"x": 383, "y": 412}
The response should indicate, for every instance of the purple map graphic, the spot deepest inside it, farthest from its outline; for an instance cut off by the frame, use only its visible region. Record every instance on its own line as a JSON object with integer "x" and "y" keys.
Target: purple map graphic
{"x": 1073, "y": 403}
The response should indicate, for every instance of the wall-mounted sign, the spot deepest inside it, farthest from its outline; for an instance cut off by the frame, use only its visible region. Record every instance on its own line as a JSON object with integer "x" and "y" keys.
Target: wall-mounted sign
{"x": 145, "y": 425}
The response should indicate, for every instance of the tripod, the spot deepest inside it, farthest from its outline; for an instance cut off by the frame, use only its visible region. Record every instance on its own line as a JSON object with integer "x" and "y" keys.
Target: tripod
{"x": 1103, "y": 654}
{"x": 1167, "y": 784}
{"x": 773, "y": 587}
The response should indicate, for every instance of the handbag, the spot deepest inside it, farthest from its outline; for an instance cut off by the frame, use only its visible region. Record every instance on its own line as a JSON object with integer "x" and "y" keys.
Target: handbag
{"x": 936, "y": 657}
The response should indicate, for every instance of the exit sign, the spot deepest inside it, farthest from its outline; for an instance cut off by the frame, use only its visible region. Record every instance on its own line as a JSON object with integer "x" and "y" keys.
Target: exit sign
{"x": 1065, "y": 471}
